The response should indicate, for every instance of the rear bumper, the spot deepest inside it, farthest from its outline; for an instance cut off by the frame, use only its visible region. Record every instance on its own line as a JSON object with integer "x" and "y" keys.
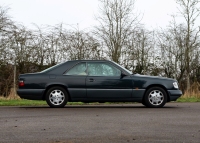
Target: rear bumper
{"x": 174, "y": 94}
{"x": 32, "y": 94}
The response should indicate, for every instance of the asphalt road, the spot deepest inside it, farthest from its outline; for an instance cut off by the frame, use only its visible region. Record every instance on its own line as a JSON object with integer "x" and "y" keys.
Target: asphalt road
{"x": 121, "y": 123}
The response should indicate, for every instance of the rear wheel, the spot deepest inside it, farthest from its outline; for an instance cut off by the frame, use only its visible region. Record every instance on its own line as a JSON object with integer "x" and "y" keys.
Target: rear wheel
{"x": 155, "y": 97}
{"x": 56, "y": 97}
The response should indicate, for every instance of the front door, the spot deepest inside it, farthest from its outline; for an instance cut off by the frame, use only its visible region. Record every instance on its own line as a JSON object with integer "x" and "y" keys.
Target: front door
{"x": 104, "y": 82}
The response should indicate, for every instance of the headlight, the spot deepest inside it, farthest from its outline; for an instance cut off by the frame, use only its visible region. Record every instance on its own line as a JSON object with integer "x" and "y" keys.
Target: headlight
{"x": 175, "y": 84}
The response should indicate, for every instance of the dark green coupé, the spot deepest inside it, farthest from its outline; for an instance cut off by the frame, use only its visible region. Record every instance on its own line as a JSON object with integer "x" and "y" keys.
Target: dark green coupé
{"x": 96, "y": 81}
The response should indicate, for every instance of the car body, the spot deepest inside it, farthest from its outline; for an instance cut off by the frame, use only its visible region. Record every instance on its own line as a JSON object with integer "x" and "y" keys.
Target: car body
{"x": 96, "y": 81}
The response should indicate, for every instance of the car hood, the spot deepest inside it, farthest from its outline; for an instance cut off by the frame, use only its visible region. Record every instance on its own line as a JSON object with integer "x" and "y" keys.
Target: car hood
{"x": 152, "y": 77}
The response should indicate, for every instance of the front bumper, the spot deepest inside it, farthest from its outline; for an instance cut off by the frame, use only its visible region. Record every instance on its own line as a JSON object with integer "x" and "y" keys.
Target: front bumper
{"x": 174, "y": 94}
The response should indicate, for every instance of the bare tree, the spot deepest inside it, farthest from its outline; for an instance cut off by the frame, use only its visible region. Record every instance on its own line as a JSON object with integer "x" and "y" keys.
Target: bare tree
{"x": 189, "y": 10}
{"x": 171, "y": 41}
{"x": 115, "y": 24}
{"x": 6, "y": 26}
{"x": 139, "y": 50}
{"x": 6, "y": 68}
{"x": 82, "y": 46}
{"x": 5, "y": 20}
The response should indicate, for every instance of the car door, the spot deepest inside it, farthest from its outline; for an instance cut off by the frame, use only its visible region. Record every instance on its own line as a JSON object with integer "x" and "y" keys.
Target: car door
{"x": 105, "y": 81}
{"x": 75, "y": 80}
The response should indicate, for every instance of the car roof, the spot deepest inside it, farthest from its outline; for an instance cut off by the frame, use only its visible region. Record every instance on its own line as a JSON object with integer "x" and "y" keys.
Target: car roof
{"x": 89, "y": 60}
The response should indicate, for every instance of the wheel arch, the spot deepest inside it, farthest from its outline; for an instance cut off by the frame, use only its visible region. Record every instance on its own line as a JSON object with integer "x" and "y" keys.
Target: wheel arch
{"x": 156, "y": 85}
{"x": 52, "y": 85}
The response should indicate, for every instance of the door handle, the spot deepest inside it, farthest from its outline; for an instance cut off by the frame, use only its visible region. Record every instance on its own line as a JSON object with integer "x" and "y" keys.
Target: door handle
{"x": 91, "y": 80}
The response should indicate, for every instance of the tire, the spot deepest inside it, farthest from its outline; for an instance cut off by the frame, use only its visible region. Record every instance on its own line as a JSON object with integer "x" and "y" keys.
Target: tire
{"x": 155, "y": 97}
{"x": 56, "y": 97}
{"x": 143, "y": 103}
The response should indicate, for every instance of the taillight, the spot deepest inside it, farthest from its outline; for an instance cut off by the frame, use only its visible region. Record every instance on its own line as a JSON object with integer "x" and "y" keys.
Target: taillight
{"x": 21, "y": 83}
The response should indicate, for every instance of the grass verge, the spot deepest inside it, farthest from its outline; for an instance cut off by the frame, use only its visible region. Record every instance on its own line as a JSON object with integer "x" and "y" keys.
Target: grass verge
{"x": 21, "y": 102}
{"x": 188, "y": 99}
{"x": 24, "y": 102}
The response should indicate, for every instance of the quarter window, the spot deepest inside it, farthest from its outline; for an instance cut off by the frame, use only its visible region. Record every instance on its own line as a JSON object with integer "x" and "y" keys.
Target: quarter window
{"x": 79, "y": 69}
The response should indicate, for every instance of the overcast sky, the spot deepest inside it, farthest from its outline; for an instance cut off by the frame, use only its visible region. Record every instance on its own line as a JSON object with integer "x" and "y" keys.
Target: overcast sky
{"x": 156, "y": 13}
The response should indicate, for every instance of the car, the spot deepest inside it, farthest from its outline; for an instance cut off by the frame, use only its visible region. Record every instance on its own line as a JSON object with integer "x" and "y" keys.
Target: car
{"x": 96, "y": 81}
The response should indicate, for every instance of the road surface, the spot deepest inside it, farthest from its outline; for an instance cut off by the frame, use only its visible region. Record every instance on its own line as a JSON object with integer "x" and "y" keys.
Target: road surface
{"x": 113, "y": 123}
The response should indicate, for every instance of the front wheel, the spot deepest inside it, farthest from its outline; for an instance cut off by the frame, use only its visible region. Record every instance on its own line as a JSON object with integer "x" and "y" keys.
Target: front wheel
{"x": 56, "y": 97}
{"x": 155, "y": 97}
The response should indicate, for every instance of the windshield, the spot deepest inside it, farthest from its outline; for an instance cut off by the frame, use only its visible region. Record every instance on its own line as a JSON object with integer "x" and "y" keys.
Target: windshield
{"x": 48, "y": 69}
{"x": 123, "y": 68}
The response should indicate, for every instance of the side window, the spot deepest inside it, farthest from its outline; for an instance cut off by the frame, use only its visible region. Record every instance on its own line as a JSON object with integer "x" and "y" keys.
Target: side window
{"x": 102, "y": 69}
{"x": 79, "y": 69}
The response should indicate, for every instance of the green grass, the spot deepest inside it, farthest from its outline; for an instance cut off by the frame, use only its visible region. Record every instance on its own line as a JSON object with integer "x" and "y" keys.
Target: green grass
{"x": 188, "y": 99}
{"x": 23, "y": 102}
